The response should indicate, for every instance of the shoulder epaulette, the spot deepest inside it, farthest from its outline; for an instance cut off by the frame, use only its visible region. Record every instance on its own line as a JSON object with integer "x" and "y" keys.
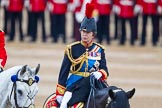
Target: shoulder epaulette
{"x": 72, "y": 44}
{"x": 99, "y": 45}
{"x": 68, "y": 47}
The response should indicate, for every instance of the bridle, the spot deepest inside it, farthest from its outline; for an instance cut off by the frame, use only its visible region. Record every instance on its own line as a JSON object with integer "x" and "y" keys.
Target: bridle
{"x": 30, "y": 81}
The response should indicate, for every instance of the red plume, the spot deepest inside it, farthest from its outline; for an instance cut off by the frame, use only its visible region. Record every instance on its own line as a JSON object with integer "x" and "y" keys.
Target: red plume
{"x": 89, "y": 10}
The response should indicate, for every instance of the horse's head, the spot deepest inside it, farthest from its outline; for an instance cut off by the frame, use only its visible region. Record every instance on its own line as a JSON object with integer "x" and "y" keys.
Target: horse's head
{"x": 118, "y": 98}
{"x": 24, "y": 87}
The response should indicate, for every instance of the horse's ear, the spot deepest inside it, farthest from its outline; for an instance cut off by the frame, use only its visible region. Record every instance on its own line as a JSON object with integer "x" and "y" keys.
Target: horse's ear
{"x": 23, "y": 70}
{"x": 37, "y": 69}
{"x": 131, "y": 93}
{"x": 111, "y": 94}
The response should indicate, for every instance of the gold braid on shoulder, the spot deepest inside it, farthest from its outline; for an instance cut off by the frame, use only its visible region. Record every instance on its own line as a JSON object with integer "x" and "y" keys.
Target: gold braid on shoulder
{"x": 77, "y": 61}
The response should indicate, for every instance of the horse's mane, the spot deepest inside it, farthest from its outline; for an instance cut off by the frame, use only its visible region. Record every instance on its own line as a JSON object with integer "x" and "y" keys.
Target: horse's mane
{"x": 7, "y": 73}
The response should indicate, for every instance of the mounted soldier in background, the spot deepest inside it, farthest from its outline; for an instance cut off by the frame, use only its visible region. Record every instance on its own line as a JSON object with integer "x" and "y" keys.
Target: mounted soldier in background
{"x": 3, "y": 54}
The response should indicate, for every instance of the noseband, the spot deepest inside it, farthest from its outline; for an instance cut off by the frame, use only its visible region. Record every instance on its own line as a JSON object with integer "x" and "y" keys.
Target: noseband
{"x": 30, "y": 81}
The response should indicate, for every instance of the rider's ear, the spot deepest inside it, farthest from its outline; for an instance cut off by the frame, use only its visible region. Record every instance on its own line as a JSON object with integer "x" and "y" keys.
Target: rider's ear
{"x": 14, "y": 78}
{"x": 130, "y": 93}
{"x": 111, "y": 94}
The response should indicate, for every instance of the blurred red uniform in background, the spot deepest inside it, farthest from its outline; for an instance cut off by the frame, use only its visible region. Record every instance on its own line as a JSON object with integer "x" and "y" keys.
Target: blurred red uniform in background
{"x": 3, "y": 55}
{"x": 150, "y": 10}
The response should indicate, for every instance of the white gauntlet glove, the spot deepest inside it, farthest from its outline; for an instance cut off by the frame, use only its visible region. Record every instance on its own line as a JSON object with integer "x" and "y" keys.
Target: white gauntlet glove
{"x": 97, "y": 75}
{"x": 65, "y": 100}
{"x": 159, "y": 10}
{"x": 59, "y": 98}
{"x": 137, "y": 9}
{"x": 116, "y": 9}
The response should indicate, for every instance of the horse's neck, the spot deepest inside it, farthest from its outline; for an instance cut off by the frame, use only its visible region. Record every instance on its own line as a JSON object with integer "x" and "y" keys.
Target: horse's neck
{"x": 5, "y": 103}
{"x": 6, "y": 75}
{"x": 6, "y": 83}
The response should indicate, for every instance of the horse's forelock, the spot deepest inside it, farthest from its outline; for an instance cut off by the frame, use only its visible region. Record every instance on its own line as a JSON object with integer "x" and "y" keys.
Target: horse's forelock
{"x": 27, "y": 74}
{"x": 117, "y": 90}
{"x": 30, "y": 71}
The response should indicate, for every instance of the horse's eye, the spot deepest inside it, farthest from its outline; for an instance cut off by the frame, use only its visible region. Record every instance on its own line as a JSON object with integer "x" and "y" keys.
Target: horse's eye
{"x": 20, "y": 92}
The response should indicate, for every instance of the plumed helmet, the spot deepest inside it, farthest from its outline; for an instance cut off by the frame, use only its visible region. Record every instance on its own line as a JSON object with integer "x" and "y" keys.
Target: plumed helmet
{"x": 88, "y": 22}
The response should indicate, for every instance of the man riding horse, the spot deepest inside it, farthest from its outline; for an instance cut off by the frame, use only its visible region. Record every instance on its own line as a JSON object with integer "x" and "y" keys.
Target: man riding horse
{"x": 81, "y": 59}
{"x": 3, "y": 55}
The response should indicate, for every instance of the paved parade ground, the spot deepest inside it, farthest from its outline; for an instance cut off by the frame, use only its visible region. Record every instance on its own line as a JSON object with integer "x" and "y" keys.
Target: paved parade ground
{"x": 129, "y": 67}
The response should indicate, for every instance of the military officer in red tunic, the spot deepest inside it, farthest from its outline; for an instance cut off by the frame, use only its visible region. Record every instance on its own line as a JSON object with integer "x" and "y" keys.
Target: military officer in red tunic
{"x": 3, "y": 54}
{"x": 149, "y": 10}
{"x": 103, "y": 23}
{"x": 6, "y": 16}
{"x": 58, "y": 19}
{"x": 37, "y": 9}
{"x": 116, "y": 18}
{"x": 160, "y": 18}
{"x": 15, "y": 8}
{"x": 75, "y": 6}
{"x": 127, "y": 13}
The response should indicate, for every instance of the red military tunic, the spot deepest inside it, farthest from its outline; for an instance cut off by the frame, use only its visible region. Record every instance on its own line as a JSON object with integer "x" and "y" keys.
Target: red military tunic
{"x": 60, "y": 6}
{"x": 160, "y": 3}
{"x": 3, "y": 55}
{"x": 139, "y": 2}
{"x": 115, "y": 2}
{"x": 149, "y": 7}
{"x": 104, "y": 7}
{"x": 16, "y": 5}
{"x": 77, "y": 6}
{"x": 126, "y": 8}
{"x": 38, "y": 5}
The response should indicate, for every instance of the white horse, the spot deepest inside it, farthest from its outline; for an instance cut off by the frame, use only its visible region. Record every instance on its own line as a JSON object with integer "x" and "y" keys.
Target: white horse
{"x": 18, "y": 87}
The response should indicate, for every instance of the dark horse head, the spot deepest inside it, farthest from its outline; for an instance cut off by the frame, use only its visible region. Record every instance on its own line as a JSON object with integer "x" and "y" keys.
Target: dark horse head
{"x": 118, "y": 98}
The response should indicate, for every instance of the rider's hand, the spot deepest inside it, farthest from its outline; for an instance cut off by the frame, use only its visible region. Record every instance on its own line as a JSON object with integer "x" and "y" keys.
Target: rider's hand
{"x": 97, "y": 75}
{"x": 60, "y": 90}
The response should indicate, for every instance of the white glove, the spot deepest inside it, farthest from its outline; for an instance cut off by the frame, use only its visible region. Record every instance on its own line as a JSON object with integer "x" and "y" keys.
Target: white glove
{"x": 79, "y": 17}
{"x": 26, "y": 3}
{"x": 137, "y": 9}
{"x": 59, "y": 98}
{"x": 97, "y": 75}
{"x": 4, "y": 3}
{"x": 66, "y": 98}
{"x": 71, "y": 7}
{"x": 159, "y": 10}
{"x": 116, "y": 9}
{"x": 50, "y": 7}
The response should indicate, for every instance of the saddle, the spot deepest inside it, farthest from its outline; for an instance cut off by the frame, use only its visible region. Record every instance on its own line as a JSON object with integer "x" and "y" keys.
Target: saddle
{"x": 97, "y": 97}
